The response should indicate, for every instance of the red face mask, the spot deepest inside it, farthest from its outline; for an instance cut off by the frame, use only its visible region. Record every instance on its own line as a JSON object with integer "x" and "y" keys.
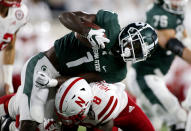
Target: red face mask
{"x": 10, "y": 3}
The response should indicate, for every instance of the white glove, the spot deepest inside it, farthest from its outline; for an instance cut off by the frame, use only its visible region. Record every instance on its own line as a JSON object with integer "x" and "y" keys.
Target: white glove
{"x": 187, "y": 42}
{"x": 42, "y": 80}
{"x": 51, "y": 125}
{"x": 96, "y": 38}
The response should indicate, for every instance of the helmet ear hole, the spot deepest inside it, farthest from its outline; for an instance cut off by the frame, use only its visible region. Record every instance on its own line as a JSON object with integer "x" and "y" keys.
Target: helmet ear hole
{"x": 82, "y": 89}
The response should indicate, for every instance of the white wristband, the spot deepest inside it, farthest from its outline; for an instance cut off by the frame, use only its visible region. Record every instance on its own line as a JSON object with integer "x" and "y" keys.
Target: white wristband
{"x": 7, "y": 73}
{"x": 52, "y": 83}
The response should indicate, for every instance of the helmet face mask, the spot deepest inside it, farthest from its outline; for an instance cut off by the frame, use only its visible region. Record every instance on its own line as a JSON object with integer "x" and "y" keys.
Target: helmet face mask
{"x": 71, "y": 120}
{"x": 133, "y": 42}
{"x": 10, "y": 3}
{"x": 175, "y": 6}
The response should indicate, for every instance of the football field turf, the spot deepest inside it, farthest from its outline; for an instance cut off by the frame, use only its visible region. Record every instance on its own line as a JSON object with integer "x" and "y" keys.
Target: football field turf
{"x": 81, "y": 128}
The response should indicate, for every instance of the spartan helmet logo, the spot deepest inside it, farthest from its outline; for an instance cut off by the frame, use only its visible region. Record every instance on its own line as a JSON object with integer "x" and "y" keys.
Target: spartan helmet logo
{"x": 43, "y": 68}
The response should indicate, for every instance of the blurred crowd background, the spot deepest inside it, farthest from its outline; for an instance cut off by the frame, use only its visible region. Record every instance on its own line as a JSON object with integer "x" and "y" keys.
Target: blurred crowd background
{"x": 44, "y": 28}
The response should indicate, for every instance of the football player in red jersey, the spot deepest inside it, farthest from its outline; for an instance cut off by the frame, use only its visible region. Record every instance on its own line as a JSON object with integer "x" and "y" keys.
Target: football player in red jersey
{"x": 13, "y": 15}
{"x": 98, "y": 105}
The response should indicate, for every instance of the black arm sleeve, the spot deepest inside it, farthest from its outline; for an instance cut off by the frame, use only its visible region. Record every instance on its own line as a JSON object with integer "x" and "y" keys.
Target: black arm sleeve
{"x": 175, "y": 46}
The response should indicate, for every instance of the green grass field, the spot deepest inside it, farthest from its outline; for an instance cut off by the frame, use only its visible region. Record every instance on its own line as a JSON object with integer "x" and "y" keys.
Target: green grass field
{"x": 81, "y": 128}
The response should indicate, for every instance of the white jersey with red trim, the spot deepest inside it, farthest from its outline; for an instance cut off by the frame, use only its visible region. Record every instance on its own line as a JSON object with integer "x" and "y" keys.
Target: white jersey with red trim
{"x": 109, "y": 101}
{"x": 16, "y": 18}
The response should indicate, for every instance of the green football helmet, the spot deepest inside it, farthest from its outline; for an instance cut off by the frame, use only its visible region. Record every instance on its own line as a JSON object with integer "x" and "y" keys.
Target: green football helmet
{"x": 137, "y": 41}
{"x": 173, "y": 6}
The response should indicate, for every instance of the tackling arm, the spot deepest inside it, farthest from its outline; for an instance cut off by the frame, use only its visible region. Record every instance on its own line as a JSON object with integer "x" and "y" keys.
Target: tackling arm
{"x": 8, "y": 61}
{"x": 107, "y": 126}
{"x": 89, "y": 77}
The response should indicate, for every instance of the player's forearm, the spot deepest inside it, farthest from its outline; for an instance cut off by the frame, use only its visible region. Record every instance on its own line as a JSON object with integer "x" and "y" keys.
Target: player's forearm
{"x": 73, "y": 22}
{"x": 107, "y": 126}
{"x": 164, "y": 35}
{"x": 27, "y": 125}
{"x": 89, "y": 77}
{"x": 8, "y": 60}
{"x": 9, "y": 54}
{"x": 187, "y": 55}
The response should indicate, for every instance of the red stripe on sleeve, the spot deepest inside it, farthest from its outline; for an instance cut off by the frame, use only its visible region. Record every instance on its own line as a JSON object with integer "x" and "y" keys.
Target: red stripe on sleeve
{"x": 66, "y": 91}
{"x": 17, "y": 123}
{"x": 106, "y": 107}
{"x": 112, "y": 109}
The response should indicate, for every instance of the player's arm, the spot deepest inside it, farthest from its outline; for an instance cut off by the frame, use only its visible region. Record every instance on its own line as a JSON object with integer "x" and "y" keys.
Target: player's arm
{"x": 42, "y": 80}
{"x": 8, "y": 61}
{"x": 77, "y": 22}
{"x": 74, "y": 21}
{"x": 168, "y": 41}
{"x": 187, "y": 51}
{"x": 106, "y": 126}
{"x": 89, "y": 77}
{"x": 28, "y": 125}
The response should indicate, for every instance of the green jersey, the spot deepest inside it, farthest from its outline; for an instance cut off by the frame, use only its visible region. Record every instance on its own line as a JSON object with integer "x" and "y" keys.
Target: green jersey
{"x": 74, "y": 58}
{"x": 161, "y": 58}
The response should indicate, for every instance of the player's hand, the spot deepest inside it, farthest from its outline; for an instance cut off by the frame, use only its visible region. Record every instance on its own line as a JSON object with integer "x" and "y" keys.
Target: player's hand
{"x": 96, "y": 38}
{"x": 51, "y": 125}
{"x": 8, "y": 88}
{"x": 42, "y": 80}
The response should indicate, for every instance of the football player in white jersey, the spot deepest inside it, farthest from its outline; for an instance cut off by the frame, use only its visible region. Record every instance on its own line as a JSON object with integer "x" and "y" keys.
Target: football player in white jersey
{"x": 98, "y": 105}
{"x": 13, "y": 15}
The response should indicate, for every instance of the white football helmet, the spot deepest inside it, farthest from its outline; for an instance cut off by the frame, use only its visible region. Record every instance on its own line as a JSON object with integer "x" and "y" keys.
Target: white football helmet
{"x": 175, "y": 6}
{"x": 73, "y": 100}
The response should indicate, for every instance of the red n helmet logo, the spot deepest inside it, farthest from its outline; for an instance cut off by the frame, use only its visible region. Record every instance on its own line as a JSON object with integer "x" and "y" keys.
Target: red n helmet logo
{"x": 80, "y": 101}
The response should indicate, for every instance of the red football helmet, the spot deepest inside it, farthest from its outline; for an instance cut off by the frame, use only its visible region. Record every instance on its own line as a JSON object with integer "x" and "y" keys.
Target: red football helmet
{"x": 11, "y": 3}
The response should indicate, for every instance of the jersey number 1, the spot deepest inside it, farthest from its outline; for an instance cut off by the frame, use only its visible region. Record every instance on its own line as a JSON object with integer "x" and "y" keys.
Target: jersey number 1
{"x": 80, "y": 61}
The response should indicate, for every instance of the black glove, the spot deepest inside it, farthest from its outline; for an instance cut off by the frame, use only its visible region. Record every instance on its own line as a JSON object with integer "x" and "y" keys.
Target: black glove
{"x": 175, "y": 46}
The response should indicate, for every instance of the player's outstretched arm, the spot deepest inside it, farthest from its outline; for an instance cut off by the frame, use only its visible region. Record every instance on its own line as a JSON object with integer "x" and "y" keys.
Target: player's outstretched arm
{"x": 74, "y": 21}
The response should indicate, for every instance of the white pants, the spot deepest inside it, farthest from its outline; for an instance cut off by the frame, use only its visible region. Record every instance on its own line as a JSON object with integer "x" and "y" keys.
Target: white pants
{"x": 168, "y": 109}
{"x": 34, "y": 101}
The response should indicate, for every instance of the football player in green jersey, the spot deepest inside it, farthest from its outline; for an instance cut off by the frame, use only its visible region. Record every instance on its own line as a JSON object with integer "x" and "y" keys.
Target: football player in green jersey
{"x": 145, "y": 79}
{"x": 102, "y": 58}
